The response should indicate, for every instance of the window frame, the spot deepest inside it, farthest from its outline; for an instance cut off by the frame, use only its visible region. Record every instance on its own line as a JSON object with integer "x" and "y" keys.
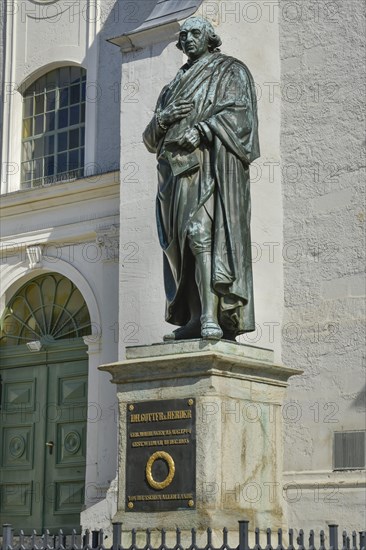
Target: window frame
{"x": 66, "y": 80}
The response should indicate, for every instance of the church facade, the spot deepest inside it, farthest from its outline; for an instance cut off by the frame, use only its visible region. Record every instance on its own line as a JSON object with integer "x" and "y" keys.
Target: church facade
{"x": 81, "y": 268}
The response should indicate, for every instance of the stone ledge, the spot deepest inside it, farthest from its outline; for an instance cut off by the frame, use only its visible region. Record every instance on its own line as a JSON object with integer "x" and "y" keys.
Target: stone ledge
{"x": 342, "y": 479}
{"x": 198, "y": 359}
{"x": 199, "y": 345}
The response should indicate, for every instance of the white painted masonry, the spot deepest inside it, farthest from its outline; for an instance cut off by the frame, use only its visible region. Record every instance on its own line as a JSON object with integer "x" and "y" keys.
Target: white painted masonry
{"x": 71, "y": 223}
{"x": 323, "y": 175}
{"x": 76, "y": 223}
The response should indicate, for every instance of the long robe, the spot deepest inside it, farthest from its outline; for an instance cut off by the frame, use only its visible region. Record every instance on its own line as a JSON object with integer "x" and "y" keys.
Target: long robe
{"x": 222, "y": 91}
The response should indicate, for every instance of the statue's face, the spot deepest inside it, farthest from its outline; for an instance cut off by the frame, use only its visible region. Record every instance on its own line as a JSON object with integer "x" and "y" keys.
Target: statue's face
{"x": 194, "y": 39}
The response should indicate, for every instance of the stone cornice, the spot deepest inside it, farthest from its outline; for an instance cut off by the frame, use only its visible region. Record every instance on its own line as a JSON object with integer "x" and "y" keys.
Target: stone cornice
{"x": 344, "y": 479}
{"x": 89, "y": 188}
{"x": 77, "y": 232}
{"x": 198, "y": 365}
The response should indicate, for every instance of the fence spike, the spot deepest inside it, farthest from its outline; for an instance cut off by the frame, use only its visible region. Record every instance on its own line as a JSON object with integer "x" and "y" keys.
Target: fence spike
{"x": 61, "y": 540}
{"x": 73, "y": 540}
{"x": 257, "y": 539}
{"x": 322, "y": 540}
{"x": 33, "y": 540}
{"x": 224, "y": 536}
{"x": 178, "y": 534}
{"x": 311, "y": 540}
{"x": 117, "y": 535}
{"x": 148, "y": 538}
{"x": 21, "y": 540}
{"x": 362, "y": 540}
{"x": 354, "y": 540}
{"x": 344, "y": 540}
{"x": 269, "y": 539}
{"x": 279, "y": 538}
{"x": 101, "y": 538}
{"x": 300, "y": 540}
{"x": 193, "y": 537}
{"x": 209, "y": 537}
{"x": 86, "y": 538}
{"x": 291, "y": 539}
{"x": 46, "y": 536}
{"x": 163, "y": 537}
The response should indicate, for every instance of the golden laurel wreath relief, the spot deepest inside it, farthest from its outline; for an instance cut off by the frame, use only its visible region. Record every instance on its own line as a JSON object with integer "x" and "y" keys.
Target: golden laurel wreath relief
{"x": 167, "y": 481}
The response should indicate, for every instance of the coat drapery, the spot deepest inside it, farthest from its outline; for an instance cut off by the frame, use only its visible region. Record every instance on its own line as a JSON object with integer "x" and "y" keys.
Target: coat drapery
{"x": 221, "y": 89}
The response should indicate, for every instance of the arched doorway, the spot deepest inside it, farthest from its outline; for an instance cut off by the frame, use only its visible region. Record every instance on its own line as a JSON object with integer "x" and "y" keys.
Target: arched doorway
{"x": 44, "y": 381}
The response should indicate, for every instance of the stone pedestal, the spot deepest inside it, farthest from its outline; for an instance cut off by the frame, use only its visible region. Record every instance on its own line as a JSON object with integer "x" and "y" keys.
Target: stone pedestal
{"x": 238, "y": 392}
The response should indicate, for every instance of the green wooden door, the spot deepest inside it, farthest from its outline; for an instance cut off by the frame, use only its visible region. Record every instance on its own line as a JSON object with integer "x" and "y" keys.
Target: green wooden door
{"x": 65, "y": 453}
{"x": 22, "y": 455}
{"x": 43, "y": 441}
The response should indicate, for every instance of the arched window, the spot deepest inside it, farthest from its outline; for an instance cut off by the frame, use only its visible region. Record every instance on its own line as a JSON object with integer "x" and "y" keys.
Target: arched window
{"x": 53, "y": 135}
{"x": 48, "y": 308}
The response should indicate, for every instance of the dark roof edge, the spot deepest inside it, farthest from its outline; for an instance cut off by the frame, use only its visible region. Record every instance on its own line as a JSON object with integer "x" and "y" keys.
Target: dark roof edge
{"x": 164, "y": 17}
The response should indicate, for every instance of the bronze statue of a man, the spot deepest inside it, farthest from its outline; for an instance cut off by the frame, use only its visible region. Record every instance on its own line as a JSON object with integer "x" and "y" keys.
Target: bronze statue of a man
{"x": 205, "y": 135}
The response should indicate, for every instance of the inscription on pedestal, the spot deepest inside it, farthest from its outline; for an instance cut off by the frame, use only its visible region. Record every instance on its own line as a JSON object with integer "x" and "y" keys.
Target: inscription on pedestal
{"x": 161, "y": 455}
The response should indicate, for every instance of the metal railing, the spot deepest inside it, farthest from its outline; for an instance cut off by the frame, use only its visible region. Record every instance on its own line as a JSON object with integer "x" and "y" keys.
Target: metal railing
{"x": 95, "y": 540}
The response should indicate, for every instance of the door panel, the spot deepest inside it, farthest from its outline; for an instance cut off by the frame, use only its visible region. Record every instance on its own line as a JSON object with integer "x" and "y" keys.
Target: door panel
{"x": 66, "y": 429}
{"x": 43, "y": 445}
{"x": 22, "y": 454}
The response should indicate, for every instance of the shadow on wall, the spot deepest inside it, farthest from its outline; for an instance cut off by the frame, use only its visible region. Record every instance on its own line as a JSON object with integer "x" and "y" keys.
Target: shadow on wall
{"x": 123, "y": 17}
{"x": 360, "y": 402}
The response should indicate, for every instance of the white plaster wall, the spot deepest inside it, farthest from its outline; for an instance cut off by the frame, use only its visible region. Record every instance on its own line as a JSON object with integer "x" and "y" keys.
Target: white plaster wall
{"x": 141, "y": 279}
{"x": 41, "y": 37}
{"x": 112, "y": 14}
{"x": 68, "y": 228}
{"x": 323, "y": 170}
{"x": 2, "y": 60}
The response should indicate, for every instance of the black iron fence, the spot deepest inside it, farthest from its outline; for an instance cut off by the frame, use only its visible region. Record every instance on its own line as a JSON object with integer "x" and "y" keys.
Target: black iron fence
{"x": 96, "y": 540}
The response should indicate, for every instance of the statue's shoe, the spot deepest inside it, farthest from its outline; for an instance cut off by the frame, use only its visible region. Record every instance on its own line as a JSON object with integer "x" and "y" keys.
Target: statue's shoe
{"x": 190, "y": 331}
{"x": 211, "y": 331}
{"x": 229, "y": 336}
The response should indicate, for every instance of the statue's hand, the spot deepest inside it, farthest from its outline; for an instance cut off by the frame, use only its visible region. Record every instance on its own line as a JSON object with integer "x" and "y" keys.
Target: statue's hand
{"x": 175, "y": 112}
{"x": 190, "y": 140}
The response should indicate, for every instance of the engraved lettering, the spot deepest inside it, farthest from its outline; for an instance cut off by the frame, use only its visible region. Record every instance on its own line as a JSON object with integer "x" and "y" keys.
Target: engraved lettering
{"x": 160, "y": 433}
{"x": 161, "y": 416}
{"x": 179, "y": 496}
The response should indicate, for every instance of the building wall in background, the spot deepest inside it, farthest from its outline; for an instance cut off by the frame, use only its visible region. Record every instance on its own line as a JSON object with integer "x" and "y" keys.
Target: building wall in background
{"x": 2, "y": 61}
{"x": 76, "y": 223}
{"x": 323, "y": 170}
{"x": 42, "y": 36}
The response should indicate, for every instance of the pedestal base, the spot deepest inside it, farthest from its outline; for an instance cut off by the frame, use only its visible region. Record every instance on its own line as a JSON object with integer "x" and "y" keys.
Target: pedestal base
{"x": 238, "y": 392}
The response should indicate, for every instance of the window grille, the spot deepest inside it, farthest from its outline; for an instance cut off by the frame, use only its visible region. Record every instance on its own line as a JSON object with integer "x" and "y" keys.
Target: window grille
{"x": 47, "y": 308}
{"x": 53, "y": 134}
{"x": 349, "y": 450}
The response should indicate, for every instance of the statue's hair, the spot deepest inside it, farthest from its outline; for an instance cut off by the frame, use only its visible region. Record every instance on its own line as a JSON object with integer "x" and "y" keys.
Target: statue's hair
{"x": 214, "y": 41}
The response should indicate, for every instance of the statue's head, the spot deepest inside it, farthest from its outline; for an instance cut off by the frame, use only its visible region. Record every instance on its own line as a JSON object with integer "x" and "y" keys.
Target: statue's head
{"x": 197, "y": 37}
